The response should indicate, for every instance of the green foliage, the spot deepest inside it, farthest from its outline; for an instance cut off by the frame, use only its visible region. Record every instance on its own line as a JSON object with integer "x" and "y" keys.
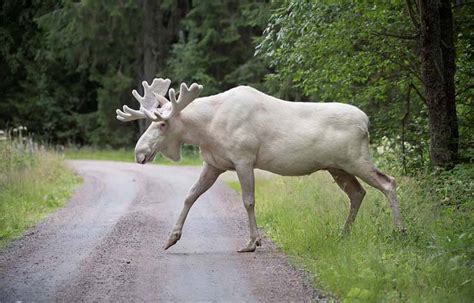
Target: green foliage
{"x": 339, "y": 52}
{"x": 216, "y": 46}
{"x": 31, "y": 186}
{"x": 434, "y": 262}
{"x": 83, "y": 36}
{"x": 112, "y": 90}
{"x": 56, "y": 58}
{"x": 21, "y": 41}
{"x": 68, "y": 65}
{"x": 366, "y": 54}
{"x": 464, "y": 17}
{"x": 91, "y": 153}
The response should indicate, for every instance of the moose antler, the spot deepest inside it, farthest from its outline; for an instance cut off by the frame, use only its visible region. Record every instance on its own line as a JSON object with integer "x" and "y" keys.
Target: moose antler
{"x": 148, "y": 103}
{"x": 186, "y": 96}
{"x": 154, "y": 96}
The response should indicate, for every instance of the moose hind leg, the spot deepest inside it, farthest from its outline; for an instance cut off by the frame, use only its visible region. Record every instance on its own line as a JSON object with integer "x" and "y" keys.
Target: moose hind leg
{"x": 387, "y": 185}
{"x": 349, "y": 184}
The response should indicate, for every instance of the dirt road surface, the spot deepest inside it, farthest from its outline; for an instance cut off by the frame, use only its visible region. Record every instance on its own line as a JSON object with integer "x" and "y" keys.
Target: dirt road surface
{"x": 106, "y": 245}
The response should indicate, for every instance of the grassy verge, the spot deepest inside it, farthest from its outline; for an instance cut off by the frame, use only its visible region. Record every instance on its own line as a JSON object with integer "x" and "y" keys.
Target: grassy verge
{"x": 126, "y": 155}
{"x": 31, "y": 186}
{"x": 433, "y": 263}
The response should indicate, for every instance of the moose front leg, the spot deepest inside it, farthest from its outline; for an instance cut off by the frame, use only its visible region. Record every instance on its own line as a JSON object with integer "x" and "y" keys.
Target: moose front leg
{"x": 207, "y": 178}
{"x": 247, "y": 183}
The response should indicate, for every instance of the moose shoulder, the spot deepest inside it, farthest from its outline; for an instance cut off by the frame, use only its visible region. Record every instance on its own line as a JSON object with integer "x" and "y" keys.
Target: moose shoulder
{"x": 243, "y": 128}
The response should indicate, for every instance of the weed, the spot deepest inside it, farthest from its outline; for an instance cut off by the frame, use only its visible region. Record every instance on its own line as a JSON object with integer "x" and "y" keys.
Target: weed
{"x": 31, "y": 186}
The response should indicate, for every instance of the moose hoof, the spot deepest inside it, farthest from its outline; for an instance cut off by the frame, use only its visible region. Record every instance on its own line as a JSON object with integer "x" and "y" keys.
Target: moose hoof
{"x": 251, "y": 246}
{"x": 172, "y": 240}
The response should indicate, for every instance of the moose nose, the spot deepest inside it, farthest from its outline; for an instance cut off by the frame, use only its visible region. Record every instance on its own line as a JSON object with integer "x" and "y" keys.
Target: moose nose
{"x": 142, "y": 151}
{"x": 140, "y": 158}
{"x": 141, "y": 155}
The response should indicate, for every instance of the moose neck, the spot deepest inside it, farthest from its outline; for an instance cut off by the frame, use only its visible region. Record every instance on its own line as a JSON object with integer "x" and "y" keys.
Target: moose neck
{"x": 195, "y": 120}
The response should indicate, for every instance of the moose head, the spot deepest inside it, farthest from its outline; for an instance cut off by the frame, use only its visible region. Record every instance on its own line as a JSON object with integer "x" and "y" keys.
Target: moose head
{"x": 163, "y": 135}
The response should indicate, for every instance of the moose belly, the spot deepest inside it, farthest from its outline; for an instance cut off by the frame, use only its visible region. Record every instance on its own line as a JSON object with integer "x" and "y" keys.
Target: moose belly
{"x": 302, "y": 159}
{"x": 291, "y": 166}
{"x": 290, "y": 170}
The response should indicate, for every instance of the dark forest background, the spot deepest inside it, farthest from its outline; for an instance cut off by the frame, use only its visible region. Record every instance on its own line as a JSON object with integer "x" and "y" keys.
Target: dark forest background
{"x": 65, "y": 66}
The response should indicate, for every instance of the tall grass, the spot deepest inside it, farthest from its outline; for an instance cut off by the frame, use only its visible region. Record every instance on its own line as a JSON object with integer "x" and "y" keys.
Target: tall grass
{"x": 31, "y": 185}
{"x": 432, "y": 263}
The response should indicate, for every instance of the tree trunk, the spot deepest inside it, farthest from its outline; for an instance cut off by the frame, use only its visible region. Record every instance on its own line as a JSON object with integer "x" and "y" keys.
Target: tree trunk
{"x": 149, "y": 62}
{"x": 159, "y": 31}
{"x": 438, "y": 68}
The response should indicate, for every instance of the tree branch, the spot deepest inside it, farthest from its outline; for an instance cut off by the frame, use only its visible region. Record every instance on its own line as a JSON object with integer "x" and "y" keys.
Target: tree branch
{"x": 404, "y": 123}
{"x": 419, "y": 94}
{"x": 399, "y": 36}
{"x": 413, "y": 18}
{"x": 407, "y": 67}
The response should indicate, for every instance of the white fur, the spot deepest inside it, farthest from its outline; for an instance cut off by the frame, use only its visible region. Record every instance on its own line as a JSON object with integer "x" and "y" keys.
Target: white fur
{"x": 243, "y": 128}
{"x": 287, "y": 138}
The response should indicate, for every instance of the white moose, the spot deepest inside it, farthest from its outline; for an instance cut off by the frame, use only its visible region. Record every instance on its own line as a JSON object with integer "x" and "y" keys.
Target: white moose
{"x": 243, "y": 128}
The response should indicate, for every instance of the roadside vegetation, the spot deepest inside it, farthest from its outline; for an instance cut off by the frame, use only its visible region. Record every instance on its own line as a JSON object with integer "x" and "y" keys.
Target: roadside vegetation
{"x": 432, "y": 263}
{"x": 32, "y": 184}
{"x": 90, "y": 153}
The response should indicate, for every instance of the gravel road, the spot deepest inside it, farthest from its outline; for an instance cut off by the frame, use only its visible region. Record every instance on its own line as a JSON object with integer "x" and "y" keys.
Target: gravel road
{"x": 106, "y": 245}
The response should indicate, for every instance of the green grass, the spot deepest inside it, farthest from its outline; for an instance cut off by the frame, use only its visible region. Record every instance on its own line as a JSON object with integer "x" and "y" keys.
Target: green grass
{"x": 88, "y": 153}
{"x": 126, "y": 155}
{"x": 31, "y": 186}
{"x": 433, "y": 263}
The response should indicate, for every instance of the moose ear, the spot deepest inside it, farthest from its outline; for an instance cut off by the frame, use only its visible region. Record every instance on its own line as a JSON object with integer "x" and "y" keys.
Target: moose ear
{"x": 163, "y": 126}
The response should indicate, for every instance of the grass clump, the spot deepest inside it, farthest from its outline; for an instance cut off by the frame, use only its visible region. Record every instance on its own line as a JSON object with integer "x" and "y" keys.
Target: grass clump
{"x": 189, "y": 156}
{"x": 432, "y": 263}
{"x": 31, "y": 186}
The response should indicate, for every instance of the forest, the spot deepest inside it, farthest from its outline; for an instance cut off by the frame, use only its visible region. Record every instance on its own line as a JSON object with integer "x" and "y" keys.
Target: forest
{"x": 67, "y": 65}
